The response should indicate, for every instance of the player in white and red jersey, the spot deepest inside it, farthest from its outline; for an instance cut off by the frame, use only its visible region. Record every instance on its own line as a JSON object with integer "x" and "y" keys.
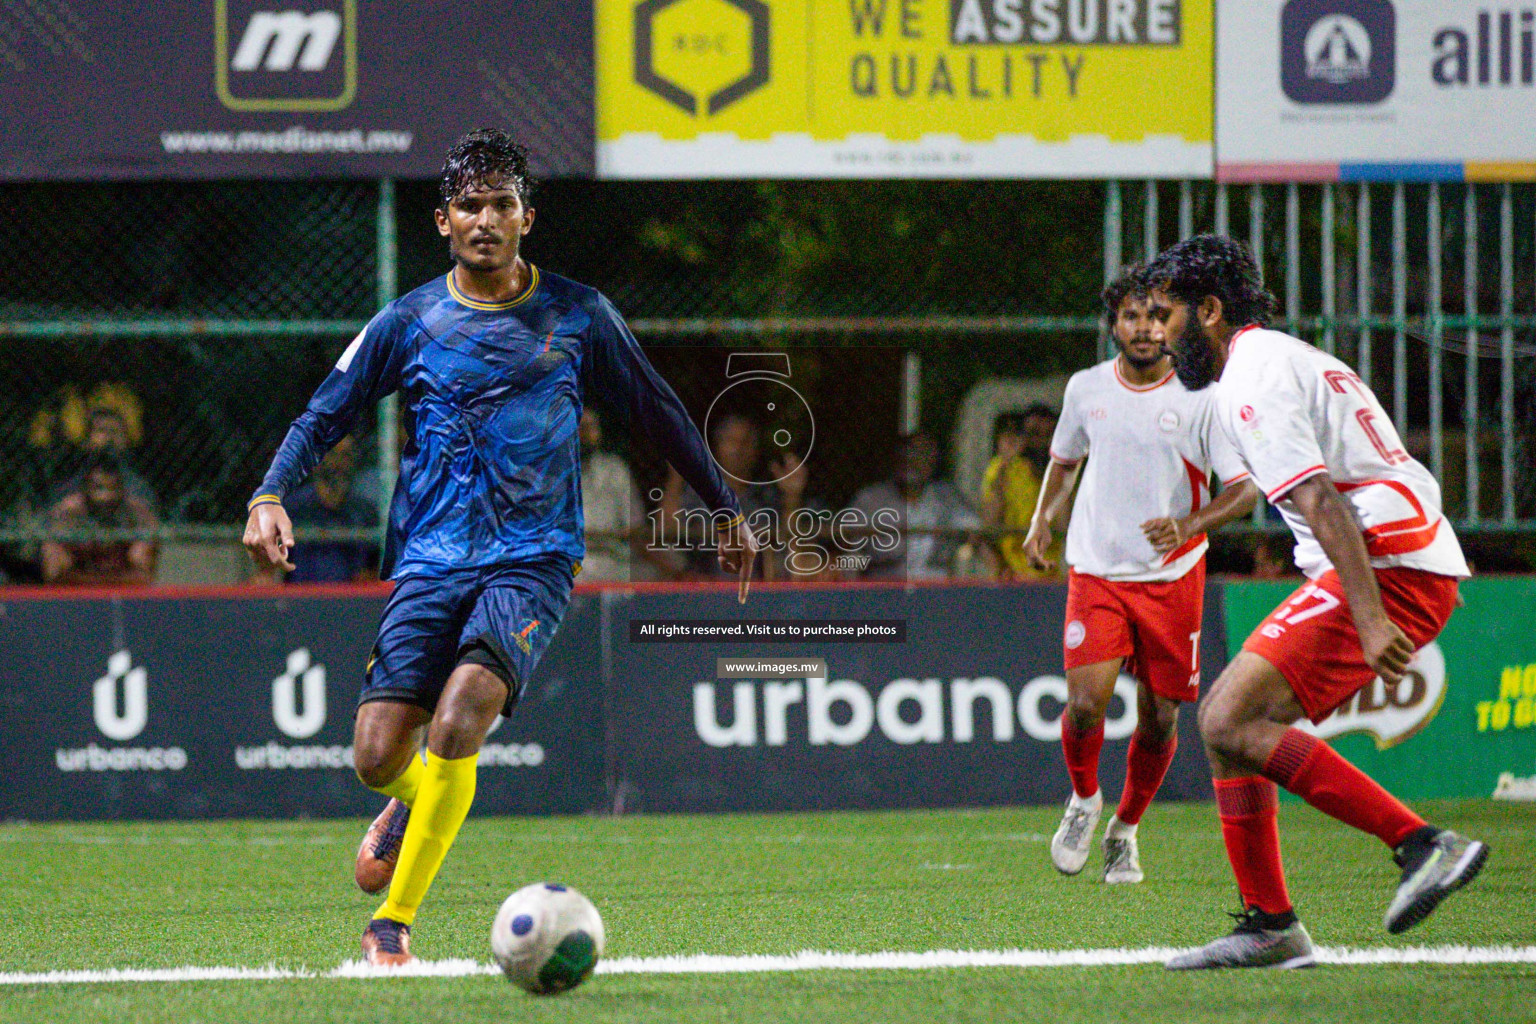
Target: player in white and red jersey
{"x": 1383, "y": 565}
{"x": 1136, "y": 548}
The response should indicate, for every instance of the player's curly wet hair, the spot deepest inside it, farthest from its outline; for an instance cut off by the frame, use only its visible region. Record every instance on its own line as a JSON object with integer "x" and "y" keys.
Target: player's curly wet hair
{"x": 486, "y": 158}
{"x": 1214, "y": 265}
{"x": 1131, "y": 282}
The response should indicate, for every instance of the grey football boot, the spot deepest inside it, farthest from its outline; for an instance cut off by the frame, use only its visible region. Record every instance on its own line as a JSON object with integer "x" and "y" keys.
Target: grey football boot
{"x": 1074, "y": 837}
{"x": 1122, "y": 859}
{"x": 1259, "y": 940}
{"x": 1435, "y": 864}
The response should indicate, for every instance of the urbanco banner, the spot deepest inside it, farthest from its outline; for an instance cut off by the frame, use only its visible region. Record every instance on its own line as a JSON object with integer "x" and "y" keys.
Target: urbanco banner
{"x": 1330, "y": 90}
{"x": 904, "y": 88}
{"x": 965, "y": 711}
{"x": 250, "y": 89}
{"x": 1462, "y": 721}
{"x": 241, "y": 706}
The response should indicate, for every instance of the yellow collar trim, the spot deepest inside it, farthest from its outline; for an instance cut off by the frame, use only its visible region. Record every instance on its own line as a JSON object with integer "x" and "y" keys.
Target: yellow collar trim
{"x": 464, "y": 300}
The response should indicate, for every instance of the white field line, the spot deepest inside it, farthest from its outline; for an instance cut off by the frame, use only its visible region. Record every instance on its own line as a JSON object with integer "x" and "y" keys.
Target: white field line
{"x": 29, "y": 836}
{"x": 807, "y": 960}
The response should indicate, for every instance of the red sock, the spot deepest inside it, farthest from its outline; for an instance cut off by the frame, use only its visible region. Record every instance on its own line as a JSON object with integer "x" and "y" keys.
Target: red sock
{"x": 1250, "y": 826}
{"x": 1081, "y": 750}
{"x": 1309, "y": 768}
{"x": 1145, "y": 765}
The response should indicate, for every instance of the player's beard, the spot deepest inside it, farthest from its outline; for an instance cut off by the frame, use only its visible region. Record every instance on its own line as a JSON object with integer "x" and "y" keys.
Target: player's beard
{"x": 1194, "y": 358}
{"x": 466, "y": 255}
{"x": 1140, "y": 364}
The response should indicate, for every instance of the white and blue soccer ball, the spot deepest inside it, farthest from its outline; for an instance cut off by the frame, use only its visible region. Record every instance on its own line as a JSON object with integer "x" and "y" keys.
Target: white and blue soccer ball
{"x": 547, "y": 938}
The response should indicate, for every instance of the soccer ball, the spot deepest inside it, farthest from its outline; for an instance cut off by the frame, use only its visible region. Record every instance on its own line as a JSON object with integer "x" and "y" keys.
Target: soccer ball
{"x": 547, "y": 938}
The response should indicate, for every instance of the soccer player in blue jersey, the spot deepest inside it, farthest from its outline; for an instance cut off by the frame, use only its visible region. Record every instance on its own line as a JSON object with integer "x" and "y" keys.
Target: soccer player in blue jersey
{"x": 485, "y": 529}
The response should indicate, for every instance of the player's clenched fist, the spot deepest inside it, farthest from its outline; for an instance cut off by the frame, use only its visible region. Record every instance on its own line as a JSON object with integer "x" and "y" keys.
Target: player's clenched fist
{"x": 269, "y": 536}
{"x": 1387, "y": 649}
{"x": 1163, "y": 534}
{"x": 1036, "y": 544}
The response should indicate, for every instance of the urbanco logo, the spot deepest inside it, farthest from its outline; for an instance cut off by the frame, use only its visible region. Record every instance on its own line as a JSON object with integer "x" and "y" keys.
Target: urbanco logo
{"x": 845, "y": 713}
{"x": 120, "y": 699}
{"x": 299, "y": 713}
{"x": 286, "y": 59}
{"x": 120, "y": 706}
{"x": 1338, "y": 51}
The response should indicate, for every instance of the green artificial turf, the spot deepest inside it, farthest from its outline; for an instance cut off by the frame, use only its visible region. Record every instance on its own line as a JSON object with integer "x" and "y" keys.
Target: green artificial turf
{"x": 280, "y": 893}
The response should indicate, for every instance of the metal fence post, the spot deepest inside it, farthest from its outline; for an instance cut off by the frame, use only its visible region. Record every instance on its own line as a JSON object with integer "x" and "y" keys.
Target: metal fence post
{"x": 1469, "y": 410}
{"x": 1507, "y": 350}
{"x": 1256, "y": 226}
{"x": 1114, "y": 257}
{"x": 1363, "y": 267}
{"x": 1292, "y": 258}
{"x": 911, "y": 392}
{"x": 389, "y": 408}
{"x": 1435, "y": 313}
{"x": 1330, "y": 282}
{"x": 1256, "y": 245}
{"x": 1399, "y": 309}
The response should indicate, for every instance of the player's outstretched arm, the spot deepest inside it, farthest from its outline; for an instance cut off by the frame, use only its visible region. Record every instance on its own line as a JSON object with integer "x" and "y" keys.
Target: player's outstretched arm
{"x": 617, "y": 368}
{"x": 269, "y": 536}
{"x": 366, "y": 371}
{"x": 1387, "y": 648}
{"x": 1167, "y": 533}
{"x": 1054, "y": 492}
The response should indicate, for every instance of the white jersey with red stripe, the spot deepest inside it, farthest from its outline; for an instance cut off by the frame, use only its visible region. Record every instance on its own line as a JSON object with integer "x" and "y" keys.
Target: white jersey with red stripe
{"x": 1294, "y": 412}
{"x": 1150, "y": 451}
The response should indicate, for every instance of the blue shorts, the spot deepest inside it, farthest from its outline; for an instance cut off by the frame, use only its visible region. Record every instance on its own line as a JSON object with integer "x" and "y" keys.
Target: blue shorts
{"x": 501, "y": 617}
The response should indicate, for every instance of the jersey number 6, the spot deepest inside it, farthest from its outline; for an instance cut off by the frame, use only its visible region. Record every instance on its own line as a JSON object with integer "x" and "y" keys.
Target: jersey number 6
{"x": 1342, "y": 381}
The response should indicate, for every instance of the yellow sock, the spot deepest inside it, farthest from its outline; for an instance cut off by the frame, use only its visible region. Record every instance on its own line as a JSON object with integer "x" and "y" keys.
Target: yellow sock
{"x": 406, "y": 783}
{"x": 443, "y": 796}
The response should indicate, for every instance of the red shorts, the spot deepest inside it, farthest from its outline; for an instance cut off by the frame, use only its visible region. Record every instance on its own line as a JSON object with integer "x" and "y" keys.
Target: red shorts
{"x": 1311, "y": 638}
{"x": 1155, "y": 627}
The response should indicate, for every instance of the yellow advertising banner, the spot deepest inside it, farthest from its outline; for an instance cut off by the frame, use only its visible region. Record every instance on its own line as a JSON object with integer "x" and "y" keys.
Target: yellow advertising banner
{"x": 904, "y": 88}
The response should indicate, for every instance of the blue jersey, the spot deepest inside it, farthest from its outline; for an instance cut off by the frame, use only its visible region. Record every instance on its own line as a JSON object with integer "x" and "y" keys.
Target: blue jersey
{"x": 491, "y": 471}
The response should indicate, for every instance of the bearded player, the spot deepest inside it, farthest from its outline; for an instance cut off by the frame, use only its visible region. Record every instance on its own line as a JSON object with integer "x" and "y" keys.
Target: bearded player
{"x": 1383, "y": 567}
{"x": 1136, "y": 547}
{"x": 494, "y": 361}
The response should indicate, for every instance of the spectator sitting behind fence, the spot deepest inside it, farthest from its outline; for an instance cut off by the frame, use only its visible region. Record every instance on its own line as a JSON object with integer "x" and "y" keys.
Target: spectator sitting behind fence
{"x": 1011, "y": 486}
{"x": 933, "y": 509}
{"x": 101, "y": 502}
{"x": 1272, "y": 558}
{"x": 330, "y": 501}
{"x": 613, "y": 515}
{"x": 107, "y": 431}
{"x": 690, "y": 536}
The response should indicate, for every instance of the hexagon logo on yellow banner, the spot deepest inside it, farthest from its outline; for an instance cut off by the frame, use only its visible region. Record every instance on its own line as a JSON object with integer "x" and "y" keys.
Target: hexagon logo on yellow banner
{"x": 714, "y": 51}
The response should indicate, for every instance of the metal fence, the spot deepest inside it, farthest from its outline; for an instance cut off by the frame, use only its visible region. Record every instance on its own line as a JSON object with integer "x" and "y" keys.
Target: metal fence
{"x": 202, "y": 316}
{"x": 1428, "y": 290}
{"x": 186, "y": 316}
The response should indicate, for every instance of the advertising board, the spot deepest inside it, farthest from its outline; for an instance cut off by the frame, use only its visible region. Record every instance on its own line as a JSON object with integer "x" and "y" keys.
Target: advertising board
{"x": 904, "y": 88}
{"x": 246, "y": 89}
{"x": 1330, "y": 90}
